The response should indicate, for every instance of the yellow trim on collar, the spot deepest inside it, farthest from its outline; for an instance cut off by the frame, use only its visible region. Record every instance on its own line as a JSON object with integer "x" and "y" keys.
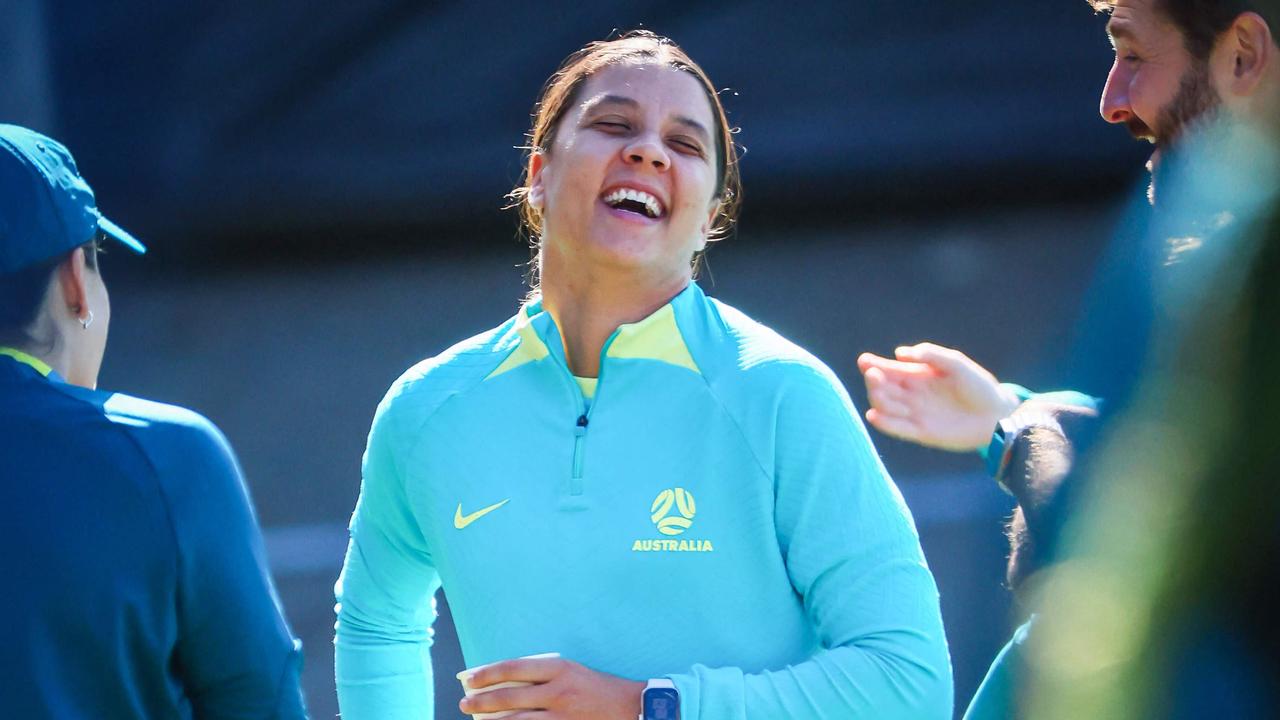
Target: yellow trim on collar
{"x": 588, "y": 386}
{"x": 530, "y": 349}
{"x": 656, "y": 337}
{"x": 34, "y": 362}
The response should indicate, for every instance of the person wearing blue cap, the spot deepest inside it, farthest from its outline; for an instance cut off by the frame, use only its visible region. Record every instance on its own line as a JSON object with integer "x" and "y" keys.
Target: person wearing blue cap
{"x": 134, "y": 582}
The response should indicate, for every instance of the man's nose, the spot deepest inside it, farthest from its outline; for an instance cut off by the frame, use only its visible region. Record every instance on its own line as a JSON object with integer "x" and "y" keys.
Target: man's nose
{"x": 1114, "y": 105}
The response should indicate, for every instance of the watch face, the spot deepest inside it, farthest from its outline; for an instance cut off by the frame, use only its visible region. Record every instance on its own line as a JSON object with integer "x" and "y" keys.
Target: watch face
{"x": 661, "y": 704}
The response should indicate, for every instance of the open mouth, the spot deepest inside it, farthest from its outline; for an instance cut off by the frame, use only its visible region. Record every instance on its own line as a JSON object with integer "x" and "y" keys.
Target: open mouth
{"x": 1154, "y": 161}
{"x": 634, "y": 201}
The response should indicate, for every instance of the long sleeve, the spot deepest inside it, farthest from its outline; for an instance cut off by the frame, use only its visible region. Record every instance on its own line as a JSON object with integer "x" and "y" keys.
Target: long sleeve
{"x": 237, "y": 656}
{"x": 385, "y": 606}
{"x": 853, "y": 555}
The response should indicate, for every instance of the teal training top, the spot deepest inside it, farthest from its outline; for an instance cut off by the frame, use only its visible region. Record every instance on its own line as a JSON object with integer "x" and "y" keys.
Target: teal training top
{"x": 717, "y": 515}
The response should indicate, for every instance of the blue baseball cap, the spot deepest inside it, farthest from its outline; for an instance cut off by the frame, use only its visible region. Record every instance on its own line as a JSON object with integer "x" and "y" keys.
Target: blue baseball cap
{"x": 46, "y": 208}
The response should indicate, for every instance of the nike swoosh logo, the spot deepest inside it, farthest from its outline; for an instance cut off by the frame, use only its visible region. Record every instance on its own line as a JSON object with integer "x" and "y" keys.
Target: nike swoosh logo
{"x": 460, "y": 521}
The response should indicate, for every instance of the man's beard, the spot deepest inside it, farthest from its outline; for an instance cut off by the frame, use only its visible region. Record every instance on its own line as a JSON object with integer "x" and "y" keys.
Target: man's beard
{"x": 1195, "y": 105}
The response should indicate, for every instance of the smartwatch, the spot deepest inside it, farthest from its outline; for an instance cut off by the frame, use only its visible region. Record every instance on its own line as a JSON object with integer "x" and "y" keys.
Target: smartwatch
{"x": 1012, "y": 430}
{"x": 660, "y": 701}
{"x": 1005, "y": 437}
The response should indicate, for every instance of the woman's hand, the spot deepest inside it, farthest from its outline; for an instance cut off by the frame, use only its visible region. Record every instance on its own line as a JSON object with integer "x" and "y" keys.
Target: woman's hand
{"x": 560, "y": 690}
{"x": 934, "y": 396}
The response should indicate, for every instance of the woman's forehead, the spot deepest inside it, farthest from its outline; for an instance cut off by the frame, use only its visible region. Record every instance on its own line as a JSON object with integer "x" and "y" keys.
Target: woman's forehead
{"x": 647, "y": 86}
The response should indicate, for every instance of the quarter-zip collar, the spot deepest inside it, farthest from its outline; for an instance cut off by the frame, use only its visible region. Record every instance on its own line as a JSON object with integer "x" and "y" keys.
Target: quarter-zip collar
{"x": 656, "y": 337}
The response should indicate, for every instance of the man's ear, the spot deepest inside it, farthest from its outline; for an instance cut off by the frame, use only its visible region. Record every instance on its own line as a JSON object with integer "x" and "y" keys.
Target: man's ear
{"x": 1247, "y": 51}
{"x": 537, "y": 190}
{"x": 70, "y": 277}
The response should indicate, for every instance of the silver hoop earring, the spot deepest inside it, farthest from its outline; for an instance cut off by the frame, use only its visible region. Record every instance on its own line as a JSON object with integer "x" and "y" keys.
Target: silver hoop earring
{"x": 85, "y": 322}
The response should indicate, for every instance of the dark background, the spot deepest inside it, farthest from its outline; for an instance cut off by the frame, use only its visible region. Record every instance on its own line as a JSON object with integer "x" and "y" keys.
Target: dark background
{"x": 321, "y": 187}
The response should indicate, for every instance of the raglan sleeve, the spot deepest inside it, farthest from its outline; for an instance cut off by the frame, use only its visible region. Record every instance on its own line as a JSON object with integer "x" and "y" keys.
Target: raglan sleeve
{"x": 853, "y": 555}
{"x": 235, "y": 653}
{"x": 385, "y": 594}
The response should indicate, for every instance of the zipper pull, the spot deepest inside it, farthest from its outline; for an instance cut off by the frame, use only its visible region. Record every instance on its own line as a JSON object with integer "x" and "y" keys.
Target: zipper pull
{"x": 579, "y": 439}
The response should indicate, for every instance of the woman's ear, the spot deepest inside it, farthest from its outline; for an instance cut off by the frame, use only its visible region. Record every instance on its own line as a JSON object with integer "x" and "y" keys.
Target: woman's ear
{"x": 709, "y": 223}
{"x": 71, "y": 283}
{"x": 537, "y": 192}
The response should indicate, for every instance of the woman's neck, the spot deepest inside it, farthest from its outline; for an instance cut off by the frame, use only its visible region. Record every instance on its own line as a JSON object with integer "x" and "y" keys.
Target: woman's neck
{"x": 588, "y": 307}
{"x": 57, "y": 342}
{"x": 55, "y": 358}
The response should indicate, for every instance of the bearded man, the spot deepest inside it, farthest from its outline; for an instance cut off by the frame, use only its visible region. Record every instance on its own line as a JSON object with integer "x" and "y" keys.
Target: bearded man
{"x": 1187, "y": 73}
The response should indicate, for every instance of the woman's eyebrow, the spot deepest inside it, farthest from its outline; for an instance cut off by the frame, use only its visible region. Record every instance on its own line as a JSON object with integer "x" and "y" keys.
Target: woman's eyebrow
{"x": 599, "y": 100}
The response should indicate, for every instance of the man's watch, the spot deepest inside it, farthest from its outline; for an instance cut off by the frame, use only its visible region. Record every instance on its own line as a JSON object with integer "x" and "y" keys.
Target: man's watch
{"x": 660, "y": 701}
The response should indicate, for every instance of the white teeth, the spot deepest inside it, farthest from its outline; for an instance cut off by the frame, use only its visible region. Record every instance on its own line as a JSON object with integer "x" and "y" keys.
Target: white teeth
{"x": 650, "y": 203}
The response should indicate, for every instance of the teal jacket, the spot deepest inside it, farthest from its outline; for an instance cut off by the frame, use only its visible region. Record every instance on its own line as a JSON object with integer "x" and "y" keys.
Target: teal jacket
{"x": 716, "y": 515}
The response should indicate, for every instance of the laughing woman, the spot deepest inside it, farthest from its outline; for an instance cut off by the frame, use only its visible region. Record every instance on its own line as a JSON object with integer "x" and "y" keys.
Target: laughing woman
{"x": 681, "y": 503}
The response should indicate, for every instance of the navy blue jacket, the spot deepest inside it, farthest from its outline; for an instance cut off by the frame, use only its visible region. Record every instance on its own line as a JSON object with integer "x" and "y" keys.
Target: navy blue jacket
{"x": 133, "y": 581}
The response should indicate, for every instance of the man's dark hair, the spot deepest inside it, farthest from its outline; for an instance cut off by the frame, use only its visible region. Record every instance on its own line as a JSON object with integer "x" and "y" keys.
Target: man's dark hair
{"x": 1202, "y": 21}
{"x": 22, "y": 292}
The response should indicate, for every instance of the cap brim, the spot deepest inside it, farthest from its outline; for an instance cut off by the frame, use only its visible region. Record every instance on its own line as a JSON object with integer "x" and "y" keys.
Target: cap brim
{"x": 118, "y": 233}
